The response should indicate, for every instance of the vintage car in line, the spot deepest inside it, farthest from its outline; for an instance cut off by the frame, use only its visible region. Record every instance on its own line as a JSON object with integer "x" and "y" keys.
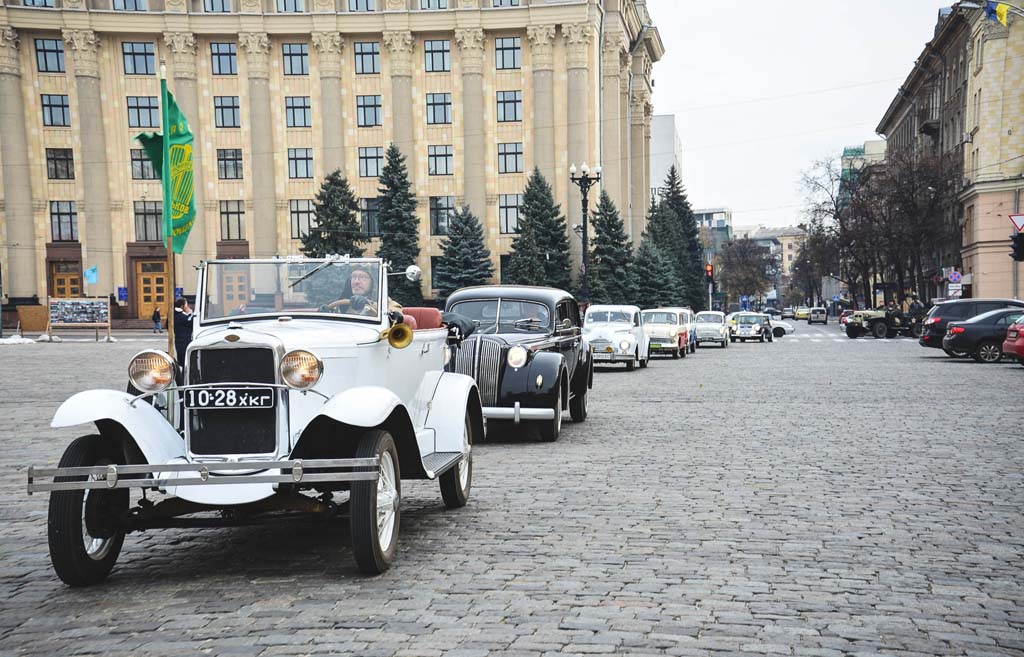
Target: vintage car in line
{"x": 666, "y": 331}
{"x": 712, "y": 327}
{"x": 299, "y": 384}
{"x": 616, "y": 336}
{"x": 527, "y": 354}
{"x": 752, "y": 326}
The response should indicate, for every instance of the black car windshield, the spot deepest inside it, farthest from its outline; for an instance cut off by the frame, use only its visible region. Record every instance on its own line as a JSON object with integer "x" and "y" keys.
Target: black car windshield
{"x": 611, "y": 316}
{"x": 709, "y": 319}
{"x": 660, "y": 318}
{"x": 505, "y": 315}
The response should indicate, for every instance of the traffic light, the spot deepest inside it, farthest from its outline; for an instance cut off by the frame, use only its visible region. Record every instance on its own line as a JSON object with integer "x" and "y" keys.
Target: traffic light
{"x": 709, "y": 272}
{"x": 1018, "y": 247}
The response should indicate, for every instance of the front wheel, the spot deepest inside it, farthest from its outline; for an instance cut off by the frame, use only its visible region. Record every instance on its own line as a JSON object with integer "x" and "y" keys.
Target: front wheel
{"x": 879, "y": 330}
{"x": 549, "y": 429}
{"x": 83, "y": 525}
{"x": 375, "y": 505}
{"x": 578, "y": 405}
{"x": 677, "y": 353}
{"x": 457, "y": 482}
{"x": 643, "y": 363}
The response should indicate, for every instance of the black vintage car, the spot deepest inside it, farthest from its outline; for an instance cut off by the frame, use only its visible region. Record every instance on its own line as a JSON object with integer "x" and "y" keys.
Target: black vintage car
{"x": 528, "y": 354}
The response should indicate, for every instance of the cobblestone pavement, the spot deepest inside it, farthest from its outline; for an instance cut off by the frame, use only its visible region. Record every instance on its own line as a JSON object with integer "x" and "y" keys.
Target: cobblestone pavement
{"x": 815, "y": 496}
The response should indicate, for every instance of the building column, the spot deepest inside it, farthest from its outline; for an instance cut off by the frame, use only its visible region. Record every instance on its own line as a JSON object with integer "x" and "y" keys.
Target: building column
{"x": 262, "y": 230}
{"x": 577, "y": 44}
{"x": 330, "y": 46}
{"x": 399, "y": 44}
{"x": 614, "y": 50}
{"x": 648, "y": 122}
{"x": 20, "y": 261}
{"x": 474, "y": 148}
{"x": 638, "y": 155}
{"x": 182, "y": 46}
{"x": 542, "y": 61}
{"x": 625, "y": 154}
{"x": 98, "y": 247}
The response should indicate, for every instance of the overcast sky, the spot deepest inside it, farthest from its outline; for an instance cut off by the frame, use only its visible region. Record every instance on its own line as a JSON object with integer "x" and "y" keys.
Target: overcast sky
{"x": 839, "y": 62}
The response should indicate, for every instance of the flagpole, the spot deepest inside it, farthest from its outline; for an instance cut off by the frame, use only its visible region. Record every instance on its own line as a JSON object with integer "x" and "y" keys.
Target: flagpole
{"x": 165, "y": 181}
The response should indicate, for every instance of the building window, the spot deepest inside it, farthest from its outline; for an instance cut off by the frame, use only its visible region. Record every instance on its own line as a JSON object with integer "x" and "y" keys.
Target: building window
{"x": 371, "y": 161}
{"x": 439, "y": 109}
{"x": 149, "y": 217}
{"x": 296, "y": 58}
{"x": 56, "y": 111}
{"x": 302, "y": 217}
{"x": 367, "y": 57}
{"x": 291, "y": 6}
{"x": 50, "y": 55}
{"x": 130, "y": 5}
{"x": 438, "y": 54}
{"x": 217, "y": 6}
{"x": 60, "y": 164}
{"x": 369, "y": 112}
{"x": 508, "y": 53}
{"x": 506, "y": 3}
{"x": 300, "y": 162}
{"x": 369, "y": 211}
{"x": 508, "y": 212}
{"x": 790, "y": 257}
{"x": 142, "y": 168}
{"x": 232, "y": 220}
{"x": 139, "y": 58}
{"x": 440, "y": 161}
{"x": 143, "y": 112}
{"x": 510, "y": 157}
{"x": 37, "y": 3}
{"x": 510, "y": 106}
{"x": 362, "y": 5}
{"x": 298, "y": 111}
{"x": 226, "y": 112}
{"x": 224, "y": 58}
{"x": 229, "y": 163}
{"x": 63, "y": 221}
{"x": 433, "y": 4}
{"x": 441, "y": 210}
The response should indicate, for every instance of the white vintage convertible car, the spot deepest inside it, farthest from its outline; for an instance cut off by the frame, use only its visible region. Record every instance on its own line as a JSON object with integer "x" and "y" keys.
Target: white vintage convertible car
{"x": 299, "y": 386}
{"x": 616, "y": 335}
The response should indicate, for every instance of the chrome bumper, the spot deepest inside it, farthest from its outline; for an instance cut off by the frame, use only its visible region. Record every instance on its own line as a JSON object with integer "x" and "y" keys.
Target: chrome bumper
{"x": 207, "y": 474}
{"x": 518, "y": 413}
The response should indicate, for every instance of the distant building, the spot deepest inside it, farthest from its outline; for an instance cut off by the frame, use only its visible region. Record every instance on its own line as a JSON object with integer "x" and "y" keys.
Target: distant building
{"x": 666, "y": 150}
{"x": 715, "y": 228}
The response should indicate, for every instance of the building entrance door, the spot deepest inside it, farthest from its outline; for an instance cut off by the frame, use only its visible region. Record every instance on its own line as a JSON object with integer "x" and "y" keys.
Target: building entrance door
{"x": 67, "y": 282}
{"x": 151, "y": 288}
{"x": 235, "y": 286}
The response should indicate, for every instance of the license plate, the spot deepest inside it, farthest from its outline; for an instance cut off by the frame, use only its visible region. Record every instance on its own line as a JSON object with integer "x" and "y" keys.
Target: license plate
{"x": 229, "y": 398}
{"x": 602, "y": 356}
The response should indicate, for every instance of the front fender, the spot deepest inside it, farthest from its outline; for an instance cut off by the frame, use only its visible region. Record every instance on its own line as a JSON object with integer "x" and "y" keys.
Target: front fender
{"x": 521, "y": 386}
{"x": 365, "y": 406}
{"x": 154, "y": 436}
{"x": 455, "y": 396}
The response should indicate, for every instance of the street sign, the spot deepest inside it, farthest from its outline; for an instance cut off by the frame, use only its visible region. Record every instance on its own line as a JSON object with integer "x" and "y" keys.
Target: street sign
{"x": 1018, "y": 222}
{"x": 956, "y": 287}
{"x": 955, "y": 277}
{"x": 122, "y": 294}
{"x": 836, "y": 298}
{"x": 179, "y": 292}
{"x": 744, "y": 298}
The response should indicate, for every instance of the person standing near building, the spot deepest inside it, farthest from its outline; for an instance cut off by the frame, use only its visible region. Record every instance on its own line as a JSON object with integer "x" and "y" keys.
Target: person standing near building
{"x": 182, "y": 328}
{"x": 157, "y": 322}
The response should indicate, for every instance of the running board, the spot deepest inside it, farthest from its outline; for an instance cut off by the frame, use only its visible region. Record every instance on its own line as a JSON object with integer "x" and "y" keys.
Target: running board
{"x": 438, "y": 463}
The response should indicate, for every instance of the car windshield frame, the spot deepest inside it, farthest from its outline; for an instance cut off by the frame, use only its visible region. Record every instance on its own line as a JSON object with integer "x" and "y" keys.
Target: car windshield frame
{"x": 547, "y": 329}
{"x": 662, "y": 313}
{"x": 285, "y": 286}
{"x": 716, "y": 319}
{"x": 628, "y": 319}
{"x": 754, "y": 319}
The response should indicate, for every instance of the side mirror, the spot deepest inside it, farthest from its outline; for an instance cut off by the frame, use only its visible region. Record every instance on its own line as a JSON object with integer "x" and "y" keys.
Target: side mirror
{"x": 413, "y": 273}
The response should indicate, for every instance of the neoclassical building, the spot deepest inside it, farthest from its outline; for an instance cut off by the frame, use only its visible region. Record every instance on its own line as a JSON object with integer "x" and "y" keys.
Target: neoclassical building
{"x": 281, "y": 92}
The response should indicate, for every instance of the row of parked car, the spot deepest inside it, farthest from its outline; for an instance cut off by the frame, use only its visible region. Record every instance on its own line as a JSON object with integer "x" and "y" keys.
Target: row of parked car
{"x": 987, "y": 330}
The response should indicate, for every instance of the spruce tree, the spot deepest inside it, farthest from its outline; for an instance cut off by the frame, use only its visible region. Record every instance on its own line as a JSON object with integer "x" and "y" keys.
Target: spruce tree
{"x": 465, "y": 259}
{"x": 688, "y": 253}
{"x": 611, "y": 259}
{"x": 663, "y": 231}
{"x": 399, "y": 227}
{"x": 540, "y": 252}
{"x": 654, "y": 276}
{"x": 337, "y": 221}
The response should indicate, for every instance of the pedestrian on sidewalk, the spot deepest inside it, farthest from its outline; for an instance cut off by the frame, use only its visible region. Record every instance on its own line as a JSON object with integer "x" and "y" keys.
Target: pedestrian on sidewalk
{"x": 157, "y": 325}
{"x": 182, "y": 328}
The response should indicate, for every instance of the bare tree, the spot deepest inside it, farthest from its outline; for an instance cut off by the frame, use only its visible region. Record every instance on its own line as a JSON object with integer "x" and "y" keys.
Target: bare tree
{"x": 743, "y": 268}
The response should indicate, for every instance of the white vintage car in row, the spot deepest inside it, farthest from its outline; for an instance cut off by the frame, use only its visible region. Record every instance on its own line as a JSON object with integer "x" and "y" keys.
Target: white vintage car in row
{"x": 666, "y": 330}
{"x": 299, "y": 385}
{"x": 615, "y": 335}
{"x": 712, "y": 328}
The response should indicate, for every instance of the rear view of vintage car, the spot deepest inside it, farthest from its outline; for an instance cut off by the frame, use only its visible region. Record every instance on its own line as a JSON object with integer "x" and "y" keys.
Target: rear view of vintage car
{"x": 299, "y": 385}
{"x": 527, "y": 354}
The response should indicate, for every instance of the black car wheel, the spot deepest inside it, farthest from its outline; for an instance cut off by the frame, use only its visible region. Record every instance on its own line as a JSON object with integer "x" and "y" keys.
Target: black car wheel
{"x": 549, "y": 429}
{"x": 988, "y": 352}
{"x": 879, "y": 330}
{"x": 457, "y": 482}
{"x": 917, "y": 330}
{"x": 578, "y": 404}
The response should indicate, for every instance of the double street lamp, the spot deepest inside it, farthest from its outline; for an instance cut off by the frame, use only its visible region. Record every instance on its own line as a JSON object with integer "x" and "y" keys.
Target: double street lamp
{"x": 586, "y": 179}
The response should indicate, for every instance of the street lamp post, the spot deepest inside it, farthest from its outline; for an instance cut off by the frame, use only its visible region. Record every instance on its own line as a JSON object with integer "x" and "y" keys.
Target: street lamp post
{"x": 585, "y": 180}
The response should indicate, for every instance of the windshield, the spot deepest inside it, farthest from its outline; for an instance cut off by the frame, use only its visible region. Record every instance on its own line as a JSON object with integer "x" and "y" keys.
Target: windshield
{"x": 660, "y": 318}
{"x": 304, "y": 287}
{"x": 709, "y": 319}
{"x": 749, "y": 319}
{"x": 615, "y": 316}
{"x": 511, "y": 316}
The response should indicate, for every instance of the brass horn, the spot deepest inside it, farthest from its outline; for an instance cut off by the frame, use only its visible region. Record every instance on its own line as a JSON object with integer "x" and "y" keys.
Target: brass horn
{"x": 398, "y": 336}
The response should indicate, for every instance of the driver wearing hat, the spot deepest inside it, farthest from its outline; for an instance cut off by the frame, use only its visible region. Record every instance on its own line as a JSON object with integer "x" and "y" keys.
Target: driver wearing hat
{"x": 359, "y": 295}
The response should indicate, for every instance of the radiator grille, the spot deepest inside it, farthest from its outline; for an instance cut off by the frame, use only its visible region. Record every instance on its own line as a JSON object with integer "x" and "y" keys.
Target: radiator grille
{"x": 248, "y": 431}
{"x": 481, "y": 359}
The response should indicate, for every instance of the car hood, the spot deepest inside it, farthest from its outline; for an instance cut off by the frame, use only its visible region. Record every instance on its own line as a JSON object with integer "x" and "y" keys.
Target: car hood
{"x": 607, "y": 331}
{"x": 662, "y": 330}
{"x": 510, "y": 339}
{"x": 315, "y": 335}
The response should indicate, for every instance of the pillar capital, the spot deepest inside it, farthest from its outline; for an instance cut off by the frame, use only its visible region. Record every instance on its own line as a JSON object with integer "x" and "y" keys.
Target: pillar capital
{"x": 616, "y": 54}
{"x": 329, "y": 45}
{"x": 257, "y": 50}
{"x": 399, "y": 44}
{"x": 542, "y": 46}
{"x": 471, "y": 44}
{"x": 182, "y": 46}
{"x": 175, "y": 6}
{"x": 84, "y": 47}
{"x": 639, "y": 107}
{"x": 9, "y": 51}
{"x": 577, "y": 40}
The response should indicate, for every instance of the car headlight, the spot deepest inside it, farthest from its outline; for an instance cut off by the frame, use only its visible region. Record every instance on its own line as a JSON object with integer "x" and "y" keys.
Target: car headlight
{"x": 301, "y": 370}
{"x": 151, "y": 371}
{"x": 756, "y": 327}
{"x": 624, "y": 345}
{"x": 517, "y": 357}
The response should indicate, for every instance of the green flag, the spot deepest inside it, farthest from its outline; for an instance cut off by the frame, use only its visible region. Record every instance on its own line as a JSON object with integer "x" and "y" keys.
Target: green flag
{"x": 179, "y": 178}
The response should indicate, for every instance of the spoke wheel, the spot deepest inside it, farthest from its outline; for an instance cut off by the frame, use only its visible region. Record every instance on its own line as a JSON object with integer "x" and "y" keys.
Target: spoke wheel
{"x": 457, "y": 482}
{"x": 375, "y": 505}
{"x": 988, "y": 352}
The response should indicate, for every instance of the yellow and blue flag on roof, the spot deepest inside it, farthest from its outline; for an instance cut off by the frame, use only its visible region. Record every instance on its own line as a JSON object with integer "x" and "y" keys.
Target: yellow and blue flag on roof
{"x": 998, "y": 11}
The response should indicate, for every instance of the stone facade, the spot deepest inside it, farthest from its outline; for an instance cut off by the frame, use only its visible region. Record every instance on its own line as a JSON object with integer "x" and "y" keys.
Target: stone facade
{"x": 584, "y": 83}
